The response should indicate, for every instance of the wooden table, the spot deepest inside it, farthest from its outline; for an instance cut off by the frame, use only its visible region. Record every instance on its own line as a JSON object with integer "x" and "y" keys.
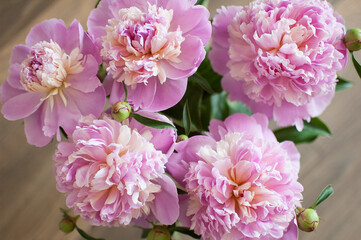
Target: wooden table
{"x": 30, "y": 203}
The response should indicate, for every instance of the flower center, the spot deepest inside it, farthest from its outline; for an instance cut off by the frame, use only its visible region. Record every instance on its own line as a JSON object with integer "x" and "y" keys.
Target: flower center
{"x": 47, "y": 67}
{"x": 136, "y": 42}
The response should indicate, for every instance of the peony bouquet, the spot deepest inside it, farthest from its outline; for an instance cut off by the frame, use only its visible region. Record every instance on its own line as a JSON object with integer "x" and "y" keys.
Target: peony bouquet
{"x": 161, "y": 114}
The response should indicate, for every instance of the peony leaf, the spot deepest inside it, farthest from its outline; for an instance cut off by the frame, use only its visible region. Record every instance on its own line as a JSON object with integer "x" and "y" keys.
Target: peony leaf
{"x": 326, "y": 193}
{"x": 96, "y": 5}
{"x": 186, "y": 119}
{"x": 356, "y": 65}
{"x": 238, "y": 107}
{"x": 186, "y": 231}
{"x": 202, "y": 82}
{"x": 221, "y": 107}
{"x": 343, "y": 84}
{"x": 202, "y": 2}
{"x": 195, "y": 96}
{"x": 151, "y": 122}
{"x": 102, "y": 73}
{"x": 145, "y": 232}
{"x": 205, "y": 70}
{"x": 85, "y": 235}
{"x": 310, "y": 132}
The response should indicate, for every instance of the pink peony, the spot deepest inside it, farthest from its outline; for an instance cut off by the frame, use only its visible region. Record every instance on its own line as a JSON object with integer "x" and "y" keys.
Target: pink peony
{"x": 53, "y": 81}
{"x": 151, "y": 46}
{"x": 280, "y": 57}
{"x": 114, "y": 174}
{"x": 241, "y": 182}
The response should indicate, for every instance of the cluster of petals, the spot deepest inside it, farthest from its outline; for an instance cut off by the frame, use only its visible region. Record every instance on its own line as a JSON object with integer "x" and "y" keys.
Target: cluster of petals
{"x": 151, "y": 46}
{"x": 241, "y": 182}
{"x": 280, "y": 57}
{"x": 53, "y": 81}
{"x": 114, "y": 174}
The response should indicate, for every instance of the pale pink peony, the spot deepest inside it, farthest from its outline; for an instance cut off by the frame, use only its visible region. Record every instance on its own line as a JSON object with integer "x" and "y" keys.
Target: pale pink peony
{"x": 53, "y": 81}
{"x": 114, "y": 174}
{"x": 280, "y": 57}
{"x": 241, "y": 182}
{"x": 151, "y": 46}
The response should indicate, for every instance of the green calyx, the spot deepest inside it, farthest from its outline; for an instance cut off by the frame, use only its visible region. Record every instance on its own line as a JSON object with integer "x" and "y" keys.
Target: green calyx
{"x": 121, "y": 111}
{"x": 307, "y": 219}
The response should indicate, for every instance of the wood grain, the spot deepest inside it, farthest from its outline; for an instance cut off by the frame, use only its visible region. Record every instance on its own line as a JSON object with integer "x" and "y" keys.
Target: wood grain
{"x": 30, "y": 203}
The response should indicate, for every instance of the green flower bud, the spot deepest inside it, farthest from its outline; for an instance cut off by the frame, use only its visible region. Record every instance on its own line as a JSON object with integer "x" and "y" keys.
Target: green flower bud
{"x": 159, "y": 233}
{"x": 353, "y": 39}
{"x": 182, "y": 138}
{"x": 66, "y": 225}
{"x": 307, "y": 219}
{"x": 121, "y": 111}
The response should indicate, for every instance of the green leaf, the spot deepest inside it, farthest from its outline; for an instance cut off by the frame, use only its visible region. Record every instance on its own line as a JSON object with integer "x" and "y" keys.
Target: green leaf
{"x": 186, "y": 119}
{"x": 219, "y": 107}
{"x": 202, "y": 2}
{"x": 202, "y": 82}
{"x": 85, "y": 235}
{"x": 238, "y": 107}
{"x": 222, "y": 107}
{"x": 326, "y": 193}
{"x": 186, "y": 231}
{"x": 206, "y": 71}
{"x": 194, "y": 95}
{"x": 151, "y": 122}
{"x": 96, "y": 5}
{"x": 310, "y": 132}
{"x": 145, "y": 232}
{"x": 102, "y": 73}
{"x": 342, "y": 84}
{"x": 356, "y": 65}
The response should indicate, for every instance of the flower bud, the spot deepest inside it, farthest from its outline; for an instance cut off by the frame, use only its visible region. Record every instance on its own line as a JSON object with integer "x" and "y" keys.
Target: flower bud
{"x": 182, "y": 138}
{"x": 66, "y": 225}
{"x": 353, "y": 39}
{"x": 159, "y": 233}
{"x": 307, "y": 219}
{"x": 121, "y": 111}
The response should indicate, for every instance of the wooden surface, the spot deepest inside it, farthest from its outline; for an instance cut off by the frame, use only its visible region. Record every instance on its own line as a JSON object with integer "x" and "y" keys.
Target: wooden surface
{"x": 30, "y": 203}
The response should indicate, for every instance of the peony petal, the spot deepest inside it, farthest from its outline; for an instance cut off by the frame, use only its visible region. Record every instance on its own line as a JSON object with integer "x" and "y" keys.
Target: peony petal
{"x": 162, "y": 139}
{"x": 34, "y": 130}
{"x": 165, "y": 206}
{"x": 291, "y": 232}
{"x": 52, "y": 29}
{"x": 21, "y": 106}
{"x": 189, "y": 60}
{"x": 196, "y": 23}
{"x": 7, "y": 92}
{"x": 86, "y": 81}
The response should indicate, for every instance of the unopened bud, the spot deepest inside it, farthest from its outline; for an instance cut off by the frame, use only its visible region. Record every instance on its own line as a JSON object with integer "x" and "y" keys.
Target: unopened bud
{"x": 353, "y": 39}
{"x": 182, "y": 138}
{"x": 121, "y": 111}
{"x": 66, "y": 225}
{"x": 159, "y": 233}
{"x": 307, "y": 219}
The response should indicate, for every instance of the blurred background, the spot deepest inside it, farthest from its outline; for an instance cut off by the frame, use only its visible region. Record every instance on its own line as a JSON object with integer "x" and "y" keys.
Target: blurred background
{"x": 30, "y": 203}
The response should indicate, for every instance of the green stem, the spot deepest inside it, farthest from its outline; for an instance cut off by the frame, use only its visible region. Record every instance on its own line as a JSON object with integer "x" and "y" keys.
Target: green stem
{"x": 125, "y": 92}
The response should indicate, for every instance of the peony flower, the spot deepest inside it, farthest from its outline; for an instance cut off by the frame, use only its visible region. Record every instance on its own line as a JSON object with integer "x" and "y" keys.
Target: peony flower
{"x": 53, "y": 81}
{"x": 280, "y": 57}
{"x": 241, "y": 182}
{"x": 151, "y": 46}
{"x": 114, "y": 174}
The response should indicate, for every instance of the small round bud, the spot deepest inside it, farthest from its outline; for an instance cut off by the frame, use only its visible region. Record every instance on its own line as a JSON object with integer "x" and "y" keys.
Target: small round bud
{"x": 182, "y": 138}
{"x": 307, "y": 219}
{"x": 66, "y": 225}
{"x": 159, "y": 233}
{"x": 353, "y": 39}
{"x": 121, "y": 111}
